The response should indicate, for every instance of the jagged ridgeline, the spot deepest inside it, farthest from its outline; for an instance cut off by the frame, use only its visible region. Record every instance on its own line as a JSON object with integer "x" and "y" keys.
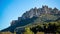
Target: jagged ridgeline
{"x": 40, "y": 18}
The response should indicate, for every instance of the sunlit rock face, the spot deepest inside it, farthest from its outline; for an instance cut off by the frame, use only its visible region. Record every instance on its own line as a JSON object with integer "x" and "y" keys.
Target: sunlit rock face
{"x": 39, "y": 11}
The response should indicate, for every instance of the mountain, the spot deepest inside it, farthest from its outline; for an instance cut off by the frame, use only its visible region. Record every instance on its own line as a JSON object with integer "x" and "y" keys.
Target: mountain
{"x": 33, "y": 16}
{"x": 39, "y": 11}
{"x": 43, "y": 13}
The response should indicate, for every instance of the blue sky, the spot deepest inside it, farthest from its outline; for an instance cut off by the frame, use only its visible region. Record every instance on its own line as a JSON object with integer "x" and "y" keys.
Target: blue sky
{"x": 12, "y": 9}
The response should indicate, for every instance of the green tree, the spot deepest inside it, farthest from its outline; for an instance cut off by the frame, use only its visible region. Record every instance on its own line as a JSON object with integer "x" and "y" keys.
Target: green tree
{"x": 28, "y": 31}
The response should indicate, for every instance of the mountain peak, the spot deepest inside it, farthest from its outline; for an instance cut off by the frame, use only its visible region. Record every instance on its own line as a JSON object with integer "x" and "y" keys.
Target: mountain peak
{"x": 45, "y": 6}
{"x": 36, "y": 12}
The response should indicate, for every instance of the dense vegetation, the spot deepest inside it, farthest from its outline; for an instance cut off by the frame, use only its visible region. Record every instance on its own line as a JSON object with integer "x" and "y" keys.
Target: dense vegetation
{"x": 51, "y": 27}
